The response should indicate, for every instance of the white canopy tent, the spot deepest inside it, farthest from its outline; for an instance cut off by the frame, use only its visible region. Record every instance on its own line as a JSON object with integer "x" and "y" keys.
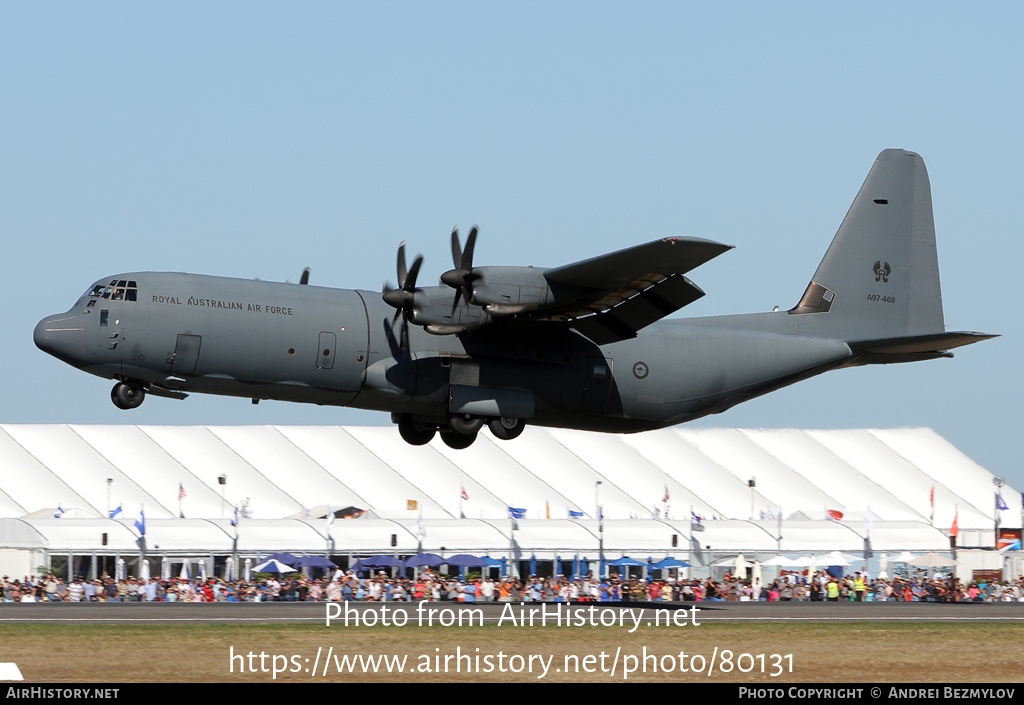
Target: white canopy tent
{"x": 648, "y": 484}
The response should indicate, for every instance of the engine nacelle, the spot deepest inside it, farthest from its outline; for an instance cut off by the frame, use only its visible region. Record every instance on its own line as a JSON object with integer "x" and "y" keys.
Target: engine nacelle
{"x": 510, "y": 290}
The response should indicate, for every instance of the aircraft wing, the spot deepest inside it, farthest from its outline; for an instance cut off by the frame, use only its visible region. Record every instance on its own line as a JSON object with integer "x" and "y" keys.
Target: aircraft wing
{"x": 627, "y": 290}
{"x": 638, "y": 267}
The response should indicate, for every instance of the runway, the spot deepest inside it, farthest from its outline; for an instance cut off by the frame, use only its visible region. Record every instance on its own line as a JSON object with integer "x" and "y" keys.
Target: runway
{"x": 316, "y": 612}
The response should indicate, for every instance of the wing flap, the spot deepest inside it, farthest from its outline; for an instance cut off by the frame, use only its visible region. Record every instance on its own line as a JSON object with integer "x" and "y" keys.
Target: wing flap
{"x": 625, "y": 319}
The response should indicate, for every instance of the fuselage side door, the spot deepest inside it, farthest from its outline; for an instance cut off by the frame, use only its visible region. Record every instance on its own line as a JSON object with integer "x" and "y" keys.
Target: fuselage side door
{"x": 186, "y": 355}
{"x": 598, "y": 384}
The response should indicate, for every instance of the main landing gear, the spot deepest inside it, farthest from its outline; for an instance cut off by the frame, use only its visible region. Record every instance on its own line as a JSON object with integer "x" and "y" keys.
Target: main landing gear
{"x": 460, "y": 432}
{"x": 127, "y": 395}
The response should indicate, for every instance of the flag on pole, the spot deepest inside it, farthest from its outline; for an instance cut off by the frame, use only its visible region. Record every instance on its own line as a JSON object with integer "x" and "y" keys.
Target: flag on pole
{"x": 955, "y": 529}
{"x": 834, "y": 514}
{"x": 181, "y": 492}
{"x": 464, "y": 495}
{"x": 868, "y": 523}
{"x": 1000, "y": 504}
{"x": 234, "y": 519}
{"x": 59, "y": 513}
{"x": 517, "y": 512}
{"x": 140, "y": 523}
{"x": 665, "y": 498}
{"x": 421, "y": 530}
{"x": 574, "y": 514}
{"x": 696, "y": 517}
{"x": 115, "y": 512}
{"x": 697, "y": 552}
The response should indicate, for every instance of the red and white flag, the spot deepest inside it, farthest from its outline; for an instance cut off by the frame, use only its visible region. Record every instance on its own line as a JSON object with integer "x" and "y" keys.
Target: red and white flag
{"x": 464, "y": 495}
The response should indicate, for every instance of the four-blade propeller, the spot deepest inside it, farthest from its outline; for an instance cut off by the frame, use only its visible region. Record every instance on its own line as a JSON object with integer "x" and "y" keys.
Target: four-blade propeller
{"x": 404, "y": 297}
{"x": 462, "y": 277}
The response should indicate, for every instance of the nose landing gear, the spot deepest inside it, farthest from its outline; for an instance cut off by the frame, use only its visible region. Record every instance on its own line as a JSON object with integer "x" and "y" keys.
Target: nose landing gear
{"x": 127, "y": 395}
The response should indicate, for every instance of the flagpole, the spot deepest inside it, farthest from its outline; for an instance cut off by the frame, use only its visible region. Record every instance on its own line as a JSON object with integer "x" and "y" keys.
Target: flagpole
{"x": 690, "y": 552}
{"x": 998, "y": 482}
{"x": 867, "y": 538}
{"x": 600, "y": 539}
{"x": 234, "y": 545}
{"x": 955, "y": 529}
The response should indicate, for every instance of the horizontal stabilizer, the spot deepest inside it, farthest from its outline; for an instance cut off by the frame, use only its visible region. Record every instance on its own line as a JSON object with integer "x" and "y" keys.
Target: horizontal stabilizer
{"x": 935, "y": 342}
{"x": 912, "y": 348}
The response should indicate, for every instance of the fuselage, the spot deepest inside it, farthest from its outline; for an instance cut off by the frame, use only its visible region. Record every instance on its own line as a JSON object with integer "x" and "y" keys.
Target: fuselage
{"x": 180, "y": 333}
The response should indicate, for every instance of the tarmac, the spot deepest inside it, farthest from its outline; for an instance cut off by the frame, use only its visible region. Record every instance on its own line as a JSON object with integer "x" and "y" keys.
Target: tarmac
{"x": 317, "y": 612}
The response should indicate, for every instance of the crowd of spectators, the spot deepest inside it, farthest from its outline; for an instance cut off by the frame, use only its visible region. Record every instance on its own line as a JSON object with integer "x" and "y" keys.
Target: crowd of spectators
{"x": 343, "y": 586}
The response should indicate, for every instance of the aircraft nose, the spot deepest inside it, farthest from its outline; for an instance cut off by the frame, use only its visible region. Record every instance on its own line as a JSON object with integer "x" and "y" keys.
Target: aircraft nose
{"x": 60, "y": 335}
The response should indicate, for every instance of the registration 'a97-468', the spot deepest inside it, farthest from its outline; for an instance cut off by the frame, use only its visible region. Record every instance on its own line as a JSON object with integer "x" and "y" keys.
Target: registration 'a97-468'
{"x": 882, "y": 299}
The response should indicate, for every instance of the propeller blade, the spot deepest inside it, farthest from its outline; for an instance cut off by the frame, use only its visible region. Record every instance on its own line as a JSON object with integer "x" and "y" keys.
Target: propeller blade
{"x": 402, "y": 272}
{"x": 467, "y": 254}
{"x": 410, "y": 281}
{"x": 456, "y": 247}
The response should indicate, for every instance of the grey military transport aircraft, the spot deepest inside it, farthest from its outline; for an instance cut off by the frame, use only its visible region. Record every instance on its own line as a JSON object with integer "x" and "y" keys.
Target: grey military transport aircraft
{"x": 579, "y": 346}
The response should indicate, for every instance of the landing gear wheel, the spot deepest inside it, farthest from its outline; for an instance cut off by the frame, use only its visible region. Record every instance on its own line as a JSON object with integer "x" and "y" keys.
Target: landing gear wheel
{"x": 413, "y": 432}
{"x": 506, "y": 428}
{"x": 465, "y": 424}
{"x": 456, "y": 440}
{"x": 127, "y": 395}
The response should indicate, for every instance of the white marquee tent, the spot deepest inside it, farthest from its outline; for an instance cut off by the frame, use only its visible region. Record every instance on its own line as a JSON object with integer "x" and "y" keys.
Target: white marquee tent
{"x": 189, "y": 480}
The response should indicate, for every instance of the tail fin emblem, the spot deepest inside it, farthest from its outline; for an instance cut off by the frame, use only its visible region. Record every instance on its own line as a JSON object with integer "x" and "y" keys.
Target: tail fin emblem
{"x": 882, "y": 271}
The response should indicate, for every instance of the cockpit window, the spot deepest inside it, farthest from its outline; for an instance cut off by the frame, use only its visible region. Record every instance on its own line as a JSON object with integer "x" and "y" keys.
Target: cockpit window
{"x": 117, "y": 290}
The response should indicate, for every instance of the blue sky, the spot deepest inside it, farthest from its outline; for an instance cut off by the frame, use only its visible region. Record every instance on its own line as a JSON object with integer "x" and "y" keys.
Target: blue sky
{"x": 254, "y": 139}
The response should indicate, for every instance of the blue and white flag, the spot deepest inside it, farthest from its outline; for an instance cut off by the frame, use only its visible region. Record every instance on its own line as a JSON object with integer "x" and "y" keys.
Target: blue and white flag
{"x": 696, "y": 517}
{"x": 234, "y": 520}
{"x": 140, "y": 523}
{"x": 115, "y": 512}
{"x": 59, "y": 513}
{"x": 575, "y": 514}
{"x": 1000, "y": 504}
{"x": 516, "y": 512}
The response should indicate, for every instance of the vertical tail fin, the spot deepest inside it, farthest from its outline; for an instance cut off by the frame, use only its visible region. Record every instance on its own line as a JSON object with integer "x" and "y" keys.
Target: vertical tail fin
{"x": 880, "y": 276}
